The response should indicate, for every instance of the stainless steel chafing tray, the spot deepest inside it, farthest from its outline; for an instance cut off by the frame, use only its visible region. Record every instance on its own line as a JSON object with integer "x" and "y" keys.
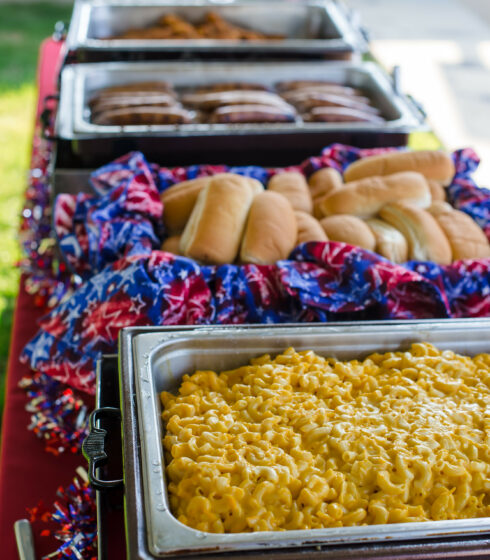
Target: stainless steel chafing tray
{"x": 155, "y": 359}
{"x": 234, "y": 144}
{"x": 314, "y": 28}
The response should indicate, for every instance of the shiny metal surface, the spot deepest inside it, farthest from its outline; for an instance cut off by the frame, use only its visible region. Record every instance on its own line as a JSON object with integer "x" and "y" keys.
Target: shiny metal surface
{"x": 154, "y": 359}
{"x": 311, "y": 28}
{"x": 80, "y": 82}
{"x": 24, "y": 540}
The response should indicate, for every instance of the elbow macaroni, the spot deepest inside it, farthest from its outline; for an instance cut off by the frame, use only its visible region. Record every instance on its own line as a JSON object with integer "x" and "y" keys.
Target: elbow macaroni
{"x": 305, "y": 442}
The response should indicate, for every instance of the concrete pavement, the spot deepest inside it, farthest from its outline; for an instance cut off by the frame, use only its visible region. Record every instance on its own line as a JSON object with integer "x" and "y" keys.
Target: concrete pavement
{"x": 443, "y": 49}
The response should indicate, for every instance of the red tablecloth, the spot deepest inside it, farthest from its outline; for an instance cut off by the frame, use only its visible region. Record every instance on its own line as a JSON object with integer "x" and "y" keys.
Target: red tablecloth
{"x": 28, "y": 474}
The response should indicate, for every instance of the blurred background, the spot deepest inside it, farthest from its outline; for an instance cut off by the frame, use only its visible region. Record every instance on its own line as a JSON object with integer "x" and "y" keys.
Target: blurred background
{"x": 441, "y": 46}
{"x": 23, "y": 25}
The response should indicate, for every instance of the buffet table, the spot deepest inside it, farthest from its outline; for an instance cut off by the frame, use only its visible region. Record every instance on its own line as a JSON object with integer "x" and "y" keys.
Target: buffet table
{"x": 125, "y": 279}
{"x": 28, "y": 474}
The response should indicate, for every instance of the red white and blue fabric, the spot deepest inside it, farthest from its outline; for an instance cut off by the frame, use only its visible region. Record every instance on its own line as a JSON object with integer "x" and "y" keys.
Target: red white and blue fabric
{"x": 111, "y": 240}
{"x": 123, "y": 217}
{"x": 320, "y": 282}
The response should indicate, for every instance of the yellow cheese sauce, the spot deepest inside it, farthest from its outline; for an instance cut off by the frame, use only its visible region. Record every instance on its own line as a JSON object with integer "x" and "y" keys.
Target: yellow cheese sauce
{"x": 306, "y": 442}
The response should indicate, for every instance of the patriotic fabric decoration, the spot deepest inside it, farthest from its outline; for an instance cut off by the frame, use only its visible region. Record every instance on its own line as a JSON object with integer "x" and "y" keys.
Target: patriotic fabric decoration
{"x": 123, "y": 219}
{"x": 111, "y": 240}
{"x": 72, "y": 521}
{"x": 465, "y": 195}
{"x": 325, "y": 281}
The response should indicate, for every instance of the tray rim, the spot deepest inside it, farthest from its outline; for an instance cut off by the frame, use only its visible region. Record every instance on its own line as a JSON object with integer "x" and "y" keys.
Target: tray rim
{"x": 350, "y": 41}
{"x": 129, "y": 335}
{"x": 71, "y": 124}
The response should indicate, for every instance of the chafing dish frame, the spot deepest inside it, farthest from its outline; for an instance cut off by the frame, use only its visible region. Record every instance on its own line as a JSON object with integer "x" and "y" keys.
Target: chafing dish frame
{"x": 271, "y": 145}
{"x": 152, "y": 529}
{"x": 80, "y": 82}
{"x": 314, "y": 28}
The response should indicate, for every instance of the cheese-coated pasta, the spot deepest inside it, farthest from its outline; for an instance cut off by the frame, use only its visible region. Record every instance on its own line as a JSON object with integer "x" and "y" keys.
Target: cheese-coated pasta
{"x": 301, "y": 441}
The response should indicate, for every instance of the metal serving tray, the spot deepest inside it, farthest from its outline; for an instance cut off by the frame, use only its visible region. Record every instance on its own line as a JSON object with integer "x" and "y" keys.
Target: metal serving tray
{"x": 155, "y": 359}
{"x": 313, "y": 28}
{"x": 238, "y": 143}
{"x": 109, "y": 505}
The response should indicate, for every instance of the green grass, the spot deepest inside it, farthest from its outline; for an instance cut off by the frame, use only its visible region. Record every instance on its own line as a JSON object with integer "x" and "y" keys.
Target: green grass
{"x": 22, "y": 28}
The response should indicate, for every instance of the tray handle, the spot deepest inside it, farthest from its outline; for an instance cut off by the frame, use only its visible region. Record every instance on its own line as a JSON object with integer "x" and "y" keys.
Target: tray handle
{"x": 418, "y": 106}
{"x": 59, "y": 32}
{"x": 414, "y": 103}
{"x": 46, "y": 116}
{"x": 93, "y": 447}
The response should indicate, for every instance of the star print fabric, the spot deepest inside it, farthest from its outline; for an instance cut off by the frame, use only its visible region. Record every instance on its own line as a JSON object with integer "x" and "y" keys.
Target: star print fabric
{"x": 320, "y": 282}
{"x": 111, "y": 240}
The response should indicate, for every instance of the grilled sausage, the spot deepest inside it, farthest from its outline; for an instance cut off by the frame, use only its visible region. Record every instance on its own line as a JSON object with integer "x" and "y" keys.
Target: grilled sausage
{"x": 143, "y": 115}
{"x": 210, "y": 101}
{"x": 341, "y": 114}
{"x": 318, "y": 84}
{"x": 252, "y": 114}
{"x": 230, "y": 86}
{"x": 309, "y": 101}
{"x": 114, "y": 102}
{"x": 139, "y": 86}
{"x": 300, "y": 94}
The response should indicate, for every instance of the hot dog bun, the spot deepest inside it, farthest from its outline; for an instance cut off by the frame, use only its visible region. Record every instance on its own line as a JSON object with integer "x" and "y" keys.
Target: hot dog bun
{"x": 437, "y": 191}
{"x": 349, "y": 229}
{"x": 433, "y": 164}
{"x": 309, "y": 228}
{"x": 270, "y": 233}
{"x": 426, "y": 239}
{"x": 324, "y": 182}
{"x": 439, "y": 207}
{"x": 171, "y": 245}
{"x": 467, "y": 239}
{"x": 294, "y": 187}
{"x": 364, "y": 198}
{"x": 390, "y": 243}
{"x": 178, "y": 202}
{"x": 179, "y": 199}
{"x": 215, "y": 227}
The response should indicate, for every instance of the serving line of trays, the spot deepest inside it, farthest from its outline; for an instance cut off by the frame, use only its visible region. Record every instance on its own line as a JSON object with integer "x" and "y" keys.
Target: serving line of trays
{"x": 309, "y": 29}
{"x": 155, "y": 359}
{"x": 259, "y": 143}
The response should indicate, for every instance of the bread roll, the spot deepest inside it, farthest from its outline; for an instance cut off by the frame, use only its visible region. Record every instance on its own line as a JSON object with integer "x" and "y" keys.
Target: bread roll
{"x": 215, "y": 227}
{"x": 433, "y": 164}
{"x": 439, "y": 207}
{"x": 171, "y": 245}
{"x": 349, "y": 229}
{"x": 467, "y": 239}
{"x": 426, "y": 240}
{"x": 270, "y": 233}
{"x": 309, "y": 228}
{"x": 390, "y": 243}
{"x": 365, "y": 198}
{"x": 178, "y": 202}
{"x": 437, "y": 191}
{"x": 294, "y": 187}
{"x": 322, "y": 183}
{"x": 256, "y": 186}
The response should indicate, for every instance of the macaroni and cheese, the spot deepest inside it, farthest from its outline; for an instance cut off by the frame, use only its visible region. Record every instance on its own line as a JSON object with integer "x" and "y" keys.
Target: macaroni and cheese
{"x": 305, "y": 442}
